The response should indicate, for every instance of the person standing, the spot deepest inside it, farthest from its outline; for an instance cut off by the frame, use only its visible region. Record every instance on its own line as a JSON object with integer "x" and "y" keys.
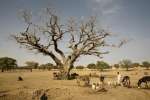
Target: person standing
{"x": 119, "y": 78}
{"x": 102, "y": 81}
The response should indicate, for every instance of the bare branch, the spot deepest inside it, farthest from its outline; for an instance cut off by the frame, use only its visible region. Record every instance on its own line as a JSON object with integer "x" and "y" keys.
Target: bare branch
{"x": 85, "y": 38}
{"x": 32, "y": 42}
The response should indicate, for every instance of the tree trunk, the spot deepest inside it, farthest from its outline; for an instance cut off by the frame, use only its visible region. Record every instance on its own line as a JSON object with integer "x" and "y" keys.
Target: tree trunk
{"x": 127, "y": 69}
{"x": 66, "y": 70}
{"x": 66, "y": 67}
{"x": 2, "y": 70}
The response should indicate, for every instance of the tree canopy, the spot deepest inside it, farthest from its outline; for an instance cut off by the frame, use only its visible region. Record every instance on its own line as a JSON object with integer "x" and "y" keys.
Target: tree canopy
{"x": 79, "y": 67}
{"x": 91, "y": 66}
{"x": 136, "y": 64}
{"x": 146, "y": 64}
{"x": 102, "y": 65}
{"x": 126, "y": 63}
{"x": 7, "y": 63}
{"x": 116, "y": 66}
{"x": 48, "y": 66}
{"x": 32, "y": 64}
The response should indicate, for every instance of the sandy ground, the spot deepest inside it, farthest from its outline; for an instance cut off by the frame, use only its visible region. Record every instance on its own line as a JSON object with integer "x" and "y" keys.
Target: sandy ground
{"x": 37, "y": 82}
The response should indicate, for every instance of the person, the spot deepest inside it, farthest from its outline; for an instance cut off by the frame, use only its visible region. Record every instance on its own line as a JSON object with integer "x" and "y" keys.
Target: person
{"x": 119, "y": 78}
{"x": 102, "y": 78}
{"x": 20, "y": 78}
{"x": 102, "y": 81}
{"x": 44, "y": 97}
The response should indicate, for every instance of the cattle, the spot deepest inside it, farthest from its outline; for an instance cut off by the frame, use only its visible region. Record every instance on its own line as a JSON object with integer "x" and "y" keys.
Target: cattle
{"x": 126, "y": 81}
{"x": 145, "y": 80}
{"x": 73, "y": 75}
{"x": 83, "y": 80}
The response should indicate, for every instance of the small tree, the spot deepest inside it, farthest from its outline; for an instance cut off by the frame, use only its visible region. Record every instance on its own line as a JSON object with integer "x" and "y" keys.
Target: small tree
{"x": 135, "y": 65}
{"x": 116, "y": 66}
{"x": 125, "y": 64}
{"x": 102, "y": 65}
{"x": 48, "y": 66}
{"x": 42, "y": 66}
{"x": 32, "y": 64}
{"x": 146, "y": 64}
{"x": 7, "y": 63}
{"x": 79, "y": 67}
{"x": 91, "y": 66}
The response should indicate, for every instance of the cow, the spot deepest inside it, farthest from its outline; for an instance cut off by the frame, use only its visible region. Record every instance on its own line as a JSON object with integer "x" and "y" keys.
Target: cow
{"x": 126, "y": 81}
{"x": 145, "y": 80}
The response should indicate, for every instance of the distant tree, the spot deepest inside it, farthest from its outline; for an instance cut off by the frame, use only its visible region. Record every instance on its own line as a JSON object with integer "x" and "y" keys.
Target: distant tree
{"x": 135, "y": 65}
{"x": 48, "y": 66}
{"x": 125, "y": 64}
{"x": 91, "y": 66}
{"x": 116, "y": 66}
{"x": 146, "y": 64}
{"x": 79, "y": 67}
{"x": 32, "y": 64}
{"x": 7, "y": 63}
{"x": 42, "y": 66}
{"x": 102, "y": 65}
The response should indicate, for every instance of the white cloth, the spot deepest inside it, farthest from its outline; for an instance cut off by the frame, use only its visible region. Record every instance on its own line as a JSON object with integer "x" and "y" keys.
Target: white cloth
{"x": 119, "y": 78}
{"x": 93, "y": 86}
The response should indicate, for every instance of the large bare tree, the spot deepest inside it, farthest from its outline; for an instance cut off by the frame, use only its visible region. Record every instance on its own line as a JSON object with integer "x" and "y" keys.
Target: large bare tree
{"x": 84, "y": 38}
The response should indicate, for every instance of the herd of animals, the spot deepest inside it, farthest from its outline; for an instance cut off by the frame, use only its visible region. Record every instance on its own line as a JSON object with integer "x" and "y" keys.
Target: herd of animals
{"x": 125, "y": 81}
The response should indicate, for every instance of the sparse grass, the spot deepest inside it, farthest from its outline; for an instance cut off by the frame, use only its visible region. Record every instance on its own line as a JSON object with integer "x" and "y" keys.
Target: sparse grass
{"x": 68, "y": 89}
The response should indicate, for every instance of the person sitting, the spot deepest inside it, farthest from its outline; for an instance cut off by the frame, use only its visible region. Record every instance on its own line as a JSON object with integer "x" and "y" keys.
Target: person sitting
{"x": 44, "y": 97}
{"x": 20, "y": 78}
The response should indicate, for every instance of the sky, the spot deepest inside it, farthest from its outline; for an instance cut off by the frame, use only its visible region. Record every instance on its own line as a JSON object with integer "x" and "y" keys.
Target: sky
{"x": 128, "y": 19}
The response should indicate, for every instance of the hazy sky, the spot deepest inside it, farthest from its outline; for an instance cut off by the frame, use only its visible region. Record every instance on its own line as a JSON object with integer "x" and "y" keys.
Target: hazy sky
{"x": 126, "y": 18}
